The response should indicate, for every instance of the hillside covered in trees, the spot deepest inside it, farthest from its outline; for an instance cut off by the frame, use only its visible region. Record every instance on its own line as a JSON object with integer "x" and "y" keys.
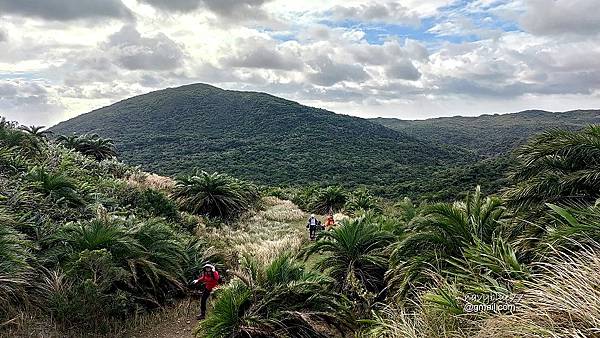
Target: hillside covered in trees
{"x": 273, "y": 141}
{"x": 491, "y": 135}
{"x": 90, "y": 246}
{"x": 256, "y": 136}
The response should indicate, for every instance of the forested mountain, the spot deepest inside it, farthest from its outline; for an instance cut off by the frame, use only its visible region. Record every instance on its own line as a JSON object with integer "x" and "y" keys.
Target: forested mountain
{"x": 273, "y": 141}
{"x": 491, "y": 135}
{"x": 259, "y": 137}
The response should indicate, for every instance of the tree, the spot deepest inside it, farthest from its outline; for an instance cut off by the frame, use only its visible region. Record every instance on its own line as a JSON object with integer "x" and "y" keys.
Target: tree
{"x": 444, "y": 233}
{"x": 557, "y": 166}
{"x": 37, "y": 131}
{"x": 214, "y": 195}
{"x": 279, "y": 299}
{"x": 329, "y": 199}
{"x": 353, "y": 251}
{"x": 90, "y": 145}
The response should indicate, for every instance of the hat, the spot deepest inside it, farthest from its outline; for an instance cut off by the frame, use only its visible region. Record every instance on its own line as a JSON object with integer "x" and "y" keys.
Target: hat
{"x": 312, "y": 215}
{"x": 212, "y": 267}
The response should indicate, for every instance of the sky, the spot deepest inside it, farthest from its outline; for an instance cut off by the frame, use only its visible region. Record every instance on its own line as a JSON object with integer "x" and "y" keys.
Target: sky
{"x": 409, "y": 59}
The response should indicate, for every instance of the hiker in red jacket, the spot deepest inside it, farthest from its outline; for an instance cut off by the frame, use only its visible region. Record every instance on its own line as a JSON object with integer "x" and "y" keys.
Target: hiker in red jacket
{"x": 210, "y": 277}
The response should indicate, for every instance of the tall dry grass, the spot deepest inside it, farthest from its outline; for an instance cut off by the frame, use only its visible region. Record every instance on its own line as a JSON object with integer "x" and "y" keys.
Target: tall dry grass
{"x": 263, "y": 234}
{"x": 146, "y": 180}
{"x": 562, "y": 300}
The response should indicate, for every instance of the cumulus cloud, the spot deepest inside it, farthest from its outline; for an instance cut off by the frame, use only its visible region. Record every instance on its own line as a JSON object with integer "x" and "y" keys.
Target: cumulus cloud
{"x": 392, "y": 12}
{"x": 256, "y": 52}
{"x": 231, "y": 9}
{"x": 348, "y": 56}
{"x": 544, "y": 17}
{"x": 327, "y": 72}
{"x": 133, "y": 51}
{"x": 65, "y": 10}
{"x": 404, "y": 70}
{"x": 27, "y": 102}
{"x": 3, "y": 35}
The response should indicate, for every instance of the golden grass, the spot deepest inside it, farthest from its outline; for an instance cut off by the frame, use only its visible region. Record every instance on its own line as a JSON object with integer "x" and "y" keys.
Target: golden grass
{"x": 265, "y": 233}
{"x": 562, "y": 300}
{"x": 145, "y": 180}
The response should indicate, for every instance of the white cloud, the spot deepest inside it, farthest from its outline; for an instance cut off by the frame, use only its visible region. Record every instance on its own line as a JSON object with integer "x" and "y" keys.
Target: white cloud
{"x": 28, "y": 102}
{"x": 65, "y": 10}
{"x": 555, "y": 17}
{"x": 351, "y": 56}
{"x": 393, "y": 12}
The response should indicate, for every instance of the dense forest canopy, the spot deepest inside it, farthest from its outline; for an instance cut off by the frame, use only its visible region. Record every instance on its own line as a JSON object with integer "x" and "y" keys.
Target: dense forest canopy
{"x": 273, "y": 141}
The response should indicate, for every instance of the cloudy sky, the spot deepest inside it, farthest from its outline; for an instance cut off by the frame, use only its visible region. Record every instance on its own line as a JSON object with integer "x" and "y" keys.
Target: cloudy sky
{"x": 410, "y": 59}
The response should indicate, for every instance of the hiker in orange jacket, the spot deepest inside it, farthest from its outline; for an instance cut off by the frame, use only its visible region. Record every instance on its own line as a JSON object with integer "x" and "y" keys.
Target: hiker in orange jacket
{"x": 210, "y": 278}
{"x": 329, "y": 221}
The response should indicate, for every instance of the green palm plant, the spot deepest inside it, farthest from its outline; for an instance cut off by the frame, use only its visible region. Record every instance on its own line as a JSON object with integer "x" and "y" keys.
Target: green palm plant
{"x": 488, "y": 268}
{"x": 280, "y": 299}
{"x": 69, "y": 141}
{"x": 165, "y": 255}
{"x": 12, "y": 137}
{"x": 55, "y": 185}
{"x": 445, "y": 231}
{"x": 149, "y": 254}
{"x": 406, "y": 210}
{"x": 362, "y": 201}
{"x": 214, "y": 195}
{"x": 353, "y": 252}
{"x": 572, "y": 227}
{"x": 329, "y": 199}
{"x": 557, "y": 166}
{"x": 36, "y": 131}
{"x": 90, "y": 145}
{"x": 97, "y": 147}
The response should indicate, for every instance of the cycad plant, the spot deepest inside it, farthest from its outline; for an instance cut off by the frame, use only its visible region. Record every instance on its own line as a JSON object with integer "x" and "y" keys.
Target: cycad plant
{"x": 570, "y": 228}
{"x": 90, "y": 145}
{"x": 55, "y": 185}
{"x": 12, "y": 137}
{"x": 37, "y": 131}
{"x": 445, "y": 231}
{"x": 142, "y": 261}
{"x": 353, "y": 252}
{"x": 214, "y": 195}
{"x": 280, "y": 299}
{"x": 329, "y": 199}
{"x": 362, "y": 201}
{"x": 558, "y": 166}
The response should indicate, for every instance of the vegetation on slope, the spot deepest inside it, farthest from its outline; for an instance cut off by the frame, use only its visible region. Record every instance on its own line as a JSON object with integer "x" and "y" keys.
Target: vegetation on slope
{"x": 491, "y": 135}
{"x": 106, "y": 241}
{"x": 260, "y": 137}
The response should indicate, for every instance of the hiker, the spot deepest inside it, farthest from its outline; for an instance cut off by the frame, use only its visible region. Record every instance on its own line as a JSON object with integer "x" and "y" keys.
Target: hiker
{"x": 210, "y": 277}
{"x": 312, "y": 225}
{"x": 329, "y": 221}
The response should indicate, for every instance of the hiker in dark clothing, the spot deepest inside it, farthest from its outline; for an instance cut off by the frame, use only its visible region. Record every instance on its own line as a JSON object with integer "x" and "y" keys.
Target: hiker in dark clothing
{"x": 312, "y": 225}
{"x": 210, "y": 277}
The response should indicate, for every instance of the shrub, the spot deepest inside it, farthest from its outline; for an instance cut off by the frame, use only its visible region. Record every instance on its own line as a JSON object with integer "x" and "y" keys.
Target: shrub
{"x": 279, "y": 299}
{"x": 329, "y": 199}
{"x": 214, "y": 195}
{"x": 353, "y": 254}
{"x": 362, "y": 201}
{"x": 15, "y": 269}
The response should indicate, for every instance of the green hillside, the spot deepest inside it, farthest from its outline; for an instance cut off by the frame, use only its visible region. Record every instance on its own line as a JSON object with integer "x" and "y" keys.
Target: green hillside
{"x": 491, "y": 135}
{"x": 273, "y": 141}
{"x": 259, "y": 137}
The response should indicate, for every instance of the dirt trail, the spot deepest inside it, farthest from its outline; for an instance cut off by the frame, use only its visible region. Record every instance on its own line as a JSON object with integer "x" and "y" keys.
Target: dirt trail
{"x": 179, "y": 321}
{"x": 278, "y": 227}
